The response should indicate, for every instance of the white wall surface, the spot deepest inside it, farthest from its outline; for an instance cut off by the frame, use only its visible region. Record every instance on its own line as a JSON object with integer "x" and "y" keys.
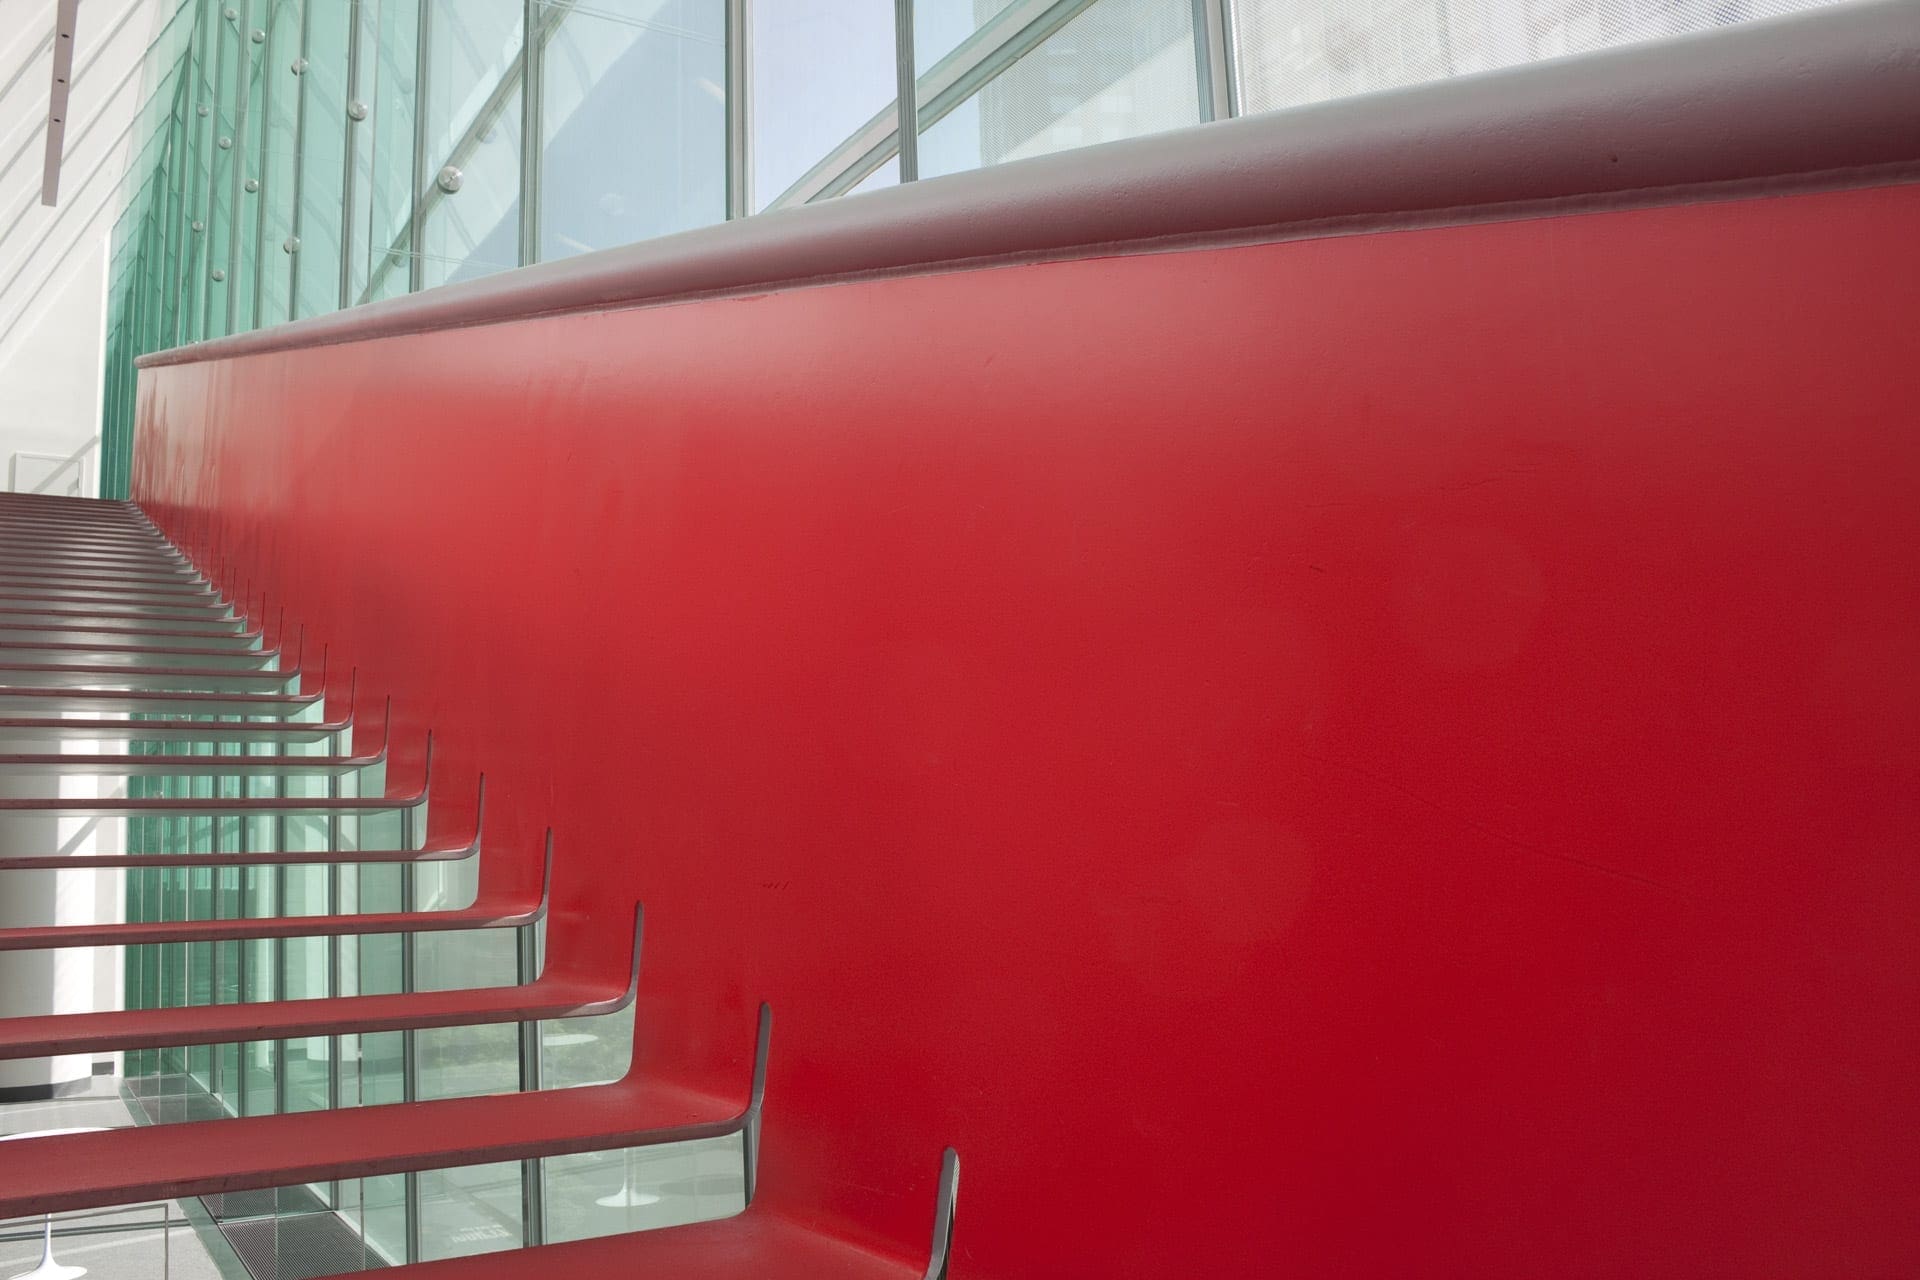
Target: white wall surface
{"x": 53, "y": 261}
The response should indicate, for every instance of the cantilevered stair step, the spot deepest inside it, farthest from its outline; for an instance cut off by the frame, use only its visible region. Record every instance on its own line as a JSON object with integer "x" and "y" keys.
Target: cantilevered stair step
{"x": 558, "y": 993}
{"x": 188, "y": 679}
{"x": 132, "y": 607}
{"x": 543, "y": 999}
{"x": 758, "y": 1244}
{"x": 14, "y": 613}
{"x": 115, "y": 654}
{"x": 264, "y": 732}
{"x": 40, "y": 572}
{"x": 166, "y": 1162}
{"x": 491, "y": 909}
{"x": 214, "y": 806}
{"x": 121, "y": 599}
{"x": 440, "y": 849}
{"x": 18, "y": 701}
{"x": 103, "y": 633}
{"x": 106, "y": 589}
{"x": 71, "y": 764}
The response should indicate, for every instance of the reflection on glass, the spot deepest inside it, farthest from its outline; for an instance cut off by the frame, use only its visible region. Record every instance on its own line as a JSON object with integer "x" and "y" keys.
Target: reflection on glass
{"x": 633, "y": 121}
{"x": 248, "y": 137}
{"x": 384, "y": 268}
{"x": 821, "y": 70}
{"x": 607, "y": 1192}
{"x": 474, "y": 92}
{"x": 476, "y": 1209}
{"x": 228, "y": 61}
{"x": 1121, "y": 69}
{"x": 323, "y": 154}
{"x": 1291, "y": 52}
{"x": 279, "y": 110}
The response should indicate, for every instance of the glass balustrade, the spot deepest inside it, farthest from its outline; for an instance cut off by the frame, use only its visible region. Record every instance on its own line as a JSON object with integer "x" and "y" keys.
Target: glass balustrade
{"x": 299, "y": 156}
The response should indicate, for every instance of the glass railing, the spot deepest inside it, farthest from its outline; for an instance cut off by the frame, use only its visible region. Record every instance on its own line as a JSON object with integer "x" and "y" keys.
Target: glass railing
{"x": 299, "y": 156}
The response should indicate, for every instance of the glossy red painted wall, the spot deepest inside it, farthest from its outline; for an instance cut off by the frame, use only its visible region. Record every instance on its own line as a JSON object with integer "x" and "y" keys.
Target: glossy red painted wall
{"x": 1391, "y": 755}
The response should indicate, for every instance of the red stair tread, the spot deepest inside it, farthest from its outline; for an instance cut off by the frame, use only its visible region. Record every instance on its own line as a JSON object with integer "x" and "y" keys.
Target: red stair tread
{"x": 132, "y": 1166}
{"x": 433, "y": 851}
{"x": 499, "y": 912}
{"x": 547, "y": 997}
{"x": 192, "y": 806}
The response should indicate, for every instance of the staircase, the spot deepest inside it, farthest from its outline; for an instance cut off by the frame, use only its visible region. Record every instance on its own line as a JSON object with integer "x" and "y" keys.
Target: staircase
{"x": 296, "y": 932}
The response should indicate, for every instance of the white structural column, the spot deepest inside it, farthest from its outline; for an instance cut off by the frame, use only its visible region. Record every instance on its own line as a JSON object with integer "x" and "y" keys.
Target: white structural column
{"x": 70, "y": 980}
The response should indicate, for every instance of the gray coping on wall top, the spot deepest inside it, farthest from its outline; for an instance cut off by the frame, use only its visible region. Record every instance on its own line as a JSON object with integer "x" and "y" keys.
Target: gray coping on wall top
{"x": 1825, "y": 98}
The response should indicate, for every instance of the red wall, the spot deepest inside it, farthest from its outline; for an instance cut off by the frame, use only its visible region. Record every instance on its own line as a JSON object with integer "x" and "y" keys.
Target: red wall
{"x": 1388, "y": 755}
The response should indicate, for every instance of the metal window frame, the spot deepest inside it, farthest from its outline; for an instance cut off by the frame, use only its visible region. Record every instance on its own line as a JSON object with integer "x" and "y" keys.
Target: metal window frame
{"x": 1015, "y": 32}
{"x": 415, "y": 232}
{"x": 427, "y": 193}
{"x": 202, "y": 277}
{"x": 350, "y": 153}
{"x": 1213, "y": 54}
{"x": 906, "y": 93}
{"x": 738, "y": 37}
{"x": 533, "y": 58}
{"x": 242, "y": 94}
{"x": 299, "y": 163}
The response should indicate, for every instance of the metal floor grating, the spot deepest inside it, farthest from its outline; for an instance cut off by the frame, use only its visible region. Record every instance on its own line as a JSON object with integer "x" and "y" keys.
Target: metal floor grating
{"x": 263, "y": 1203}
{"x": 298, "y": 1247}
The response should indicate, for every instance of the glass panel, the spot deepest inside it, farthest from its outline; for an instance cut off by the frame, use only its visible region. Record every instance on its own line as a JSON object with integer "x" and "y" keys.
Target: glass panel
{"x": 360, "y": 143}
{"x": 471, "y": 1210}
{"x": 887, "y": 175}
{"x": 607, "y": 1192}
{"x": 279, "y": 114}
{"x": 389, "y": 180}
{"x": 249, "y": 160}
{"x": 633, "y": 121}
{"x": 261, "y": 959}
{"x": 323, "y": 157}
{"x": 377, "y": 1208}
{"x": 942, "y": 29}
{"x": 1120, "y": 69}
{"x": 228, "y": 66}
{"x": 821, "y": 70}
{"x": 472, "y": 221}
{"x": 200, "y": 162}
{"x": 1298, "y": 51}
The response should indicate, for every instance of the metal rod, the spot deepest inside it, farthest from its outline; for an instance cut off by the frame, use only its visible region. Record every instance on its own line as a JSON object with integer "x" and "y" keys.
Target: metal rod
{"x": 206, "y": 219}
{"x": 533, "y": 1199}
{"x": 532, "y": 59}
{"x": 243, "y": 878}
{"x": 243, "y": 90}
{"x": 1213, "y": 58}
{"x": 907, "y": 101}
{"x": 409, "y": 1039}
{"x": 333, "y": 944}
{"x": 299, "y": 163}
{"x": 280, "y": 956}
{"x": 351, "y": 152}
{"x": 264, "y": 183}
{"x": 739, "y": 94}
{"x": 416, "y": 233}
